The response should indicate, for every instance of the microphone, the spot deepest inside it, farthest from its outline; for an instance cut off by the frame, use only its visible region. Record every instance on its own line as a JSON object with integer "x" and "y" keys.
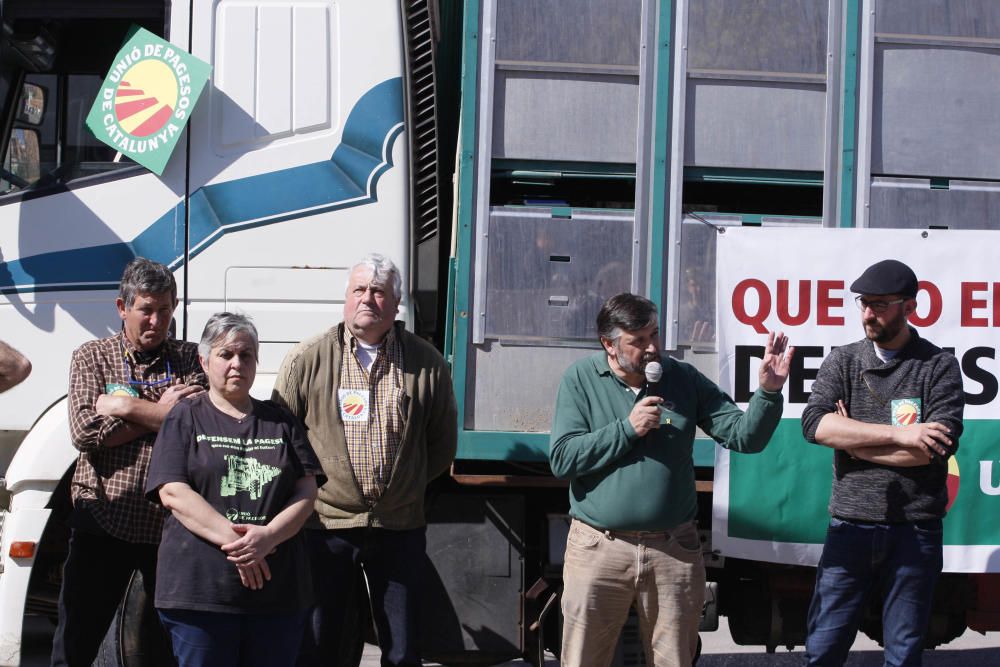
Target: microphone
{"x": 654, "y": 371}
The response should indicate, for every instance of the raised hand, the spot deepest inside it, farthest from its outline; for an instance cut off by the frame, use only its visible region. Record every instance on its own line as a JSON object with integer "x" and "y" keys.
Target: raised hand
{"x": 777, "y": 359}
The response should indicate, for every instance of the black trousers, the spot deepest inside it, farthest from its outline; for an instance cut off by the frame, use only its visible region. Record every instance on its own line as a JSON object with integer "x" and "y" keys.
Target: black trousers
{"x": 393, "y": 563}
{"x": 95, "y": 576}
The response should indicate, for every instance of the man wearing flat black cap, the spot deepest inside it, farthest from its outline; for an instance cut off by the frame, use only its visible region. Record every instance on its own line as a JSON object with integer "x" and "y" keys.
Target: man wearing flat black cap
{"x": 890, "y": 406}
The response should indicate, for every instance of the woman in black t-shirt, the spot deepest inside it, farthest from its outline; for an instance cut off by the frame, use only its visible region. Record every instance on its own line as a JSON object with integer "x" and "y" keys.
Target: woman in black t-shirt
{"x": 239, "y": 479}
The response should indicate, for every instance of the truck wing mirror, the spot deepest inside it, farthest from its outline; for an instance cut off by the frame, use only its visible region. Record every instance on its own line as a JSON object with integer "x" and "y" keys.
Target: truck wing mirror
{"x": 32, "y": 106}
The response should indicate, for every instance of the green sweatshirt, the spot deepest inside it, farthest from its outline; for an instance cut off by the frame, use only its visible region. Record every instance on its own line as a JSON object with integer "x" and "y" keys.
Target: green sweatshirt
{"x": 621, "y": 481}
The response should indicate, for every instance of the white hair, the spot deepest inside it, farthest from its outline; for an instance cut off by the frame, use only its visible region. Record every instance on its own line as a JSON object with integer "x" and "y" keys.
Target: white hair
{"x": 222, "y": 328}
{"x": 384, "y": 272}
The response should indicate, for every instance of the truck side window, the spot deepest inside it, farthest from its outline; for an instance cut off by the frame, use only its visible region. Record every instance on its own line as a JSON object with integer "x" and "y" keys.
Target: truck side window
{"x": 66, "y": 148}
{"x": 52, "y": 64}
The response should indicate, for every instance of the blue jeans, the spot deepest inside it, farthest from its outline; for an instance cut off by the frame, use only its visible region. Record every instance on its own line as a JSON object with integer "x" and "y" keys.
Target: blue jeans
{"x": 898, "y": 562}
{"x": 393, "y": 564}
{"x": 214, "y": 639}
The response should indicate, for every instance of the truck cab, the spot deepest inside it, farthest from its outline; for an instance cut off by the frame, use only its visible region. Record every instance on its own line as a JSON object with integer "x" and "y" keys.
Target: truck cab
{"x": 294, "y": 164}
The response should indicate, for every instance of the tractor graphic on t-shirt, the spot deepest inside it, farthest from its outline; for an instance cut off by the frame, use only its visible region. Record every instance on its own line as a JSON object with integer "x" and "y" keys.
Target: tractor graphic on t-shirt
{"x": 246, "y": 475}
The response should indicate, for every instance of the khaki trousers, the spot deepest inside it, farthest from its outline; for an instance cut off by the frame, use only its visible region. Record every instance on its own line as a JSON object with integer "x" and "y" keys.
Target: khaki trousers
{"x": 606, "y": 572}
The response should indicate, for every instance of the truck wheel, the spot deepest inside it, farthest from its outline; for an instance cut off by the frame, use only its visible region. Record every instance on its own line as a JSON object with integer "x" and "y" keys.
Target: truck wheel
{"x": 135, "y": 638}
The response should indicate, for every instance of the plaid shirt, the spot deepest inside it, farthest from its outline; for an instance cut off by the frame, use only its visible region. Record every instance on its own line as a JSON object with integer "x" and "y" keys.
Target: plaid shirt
{"x": 109, "y": 481}
{"x": 373, "y": 444}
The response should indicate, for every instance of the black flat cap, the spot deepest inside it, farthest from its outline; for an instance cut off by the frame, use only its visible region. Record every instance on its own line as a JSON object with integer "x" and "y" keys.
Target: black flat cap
{"x": 889, "y": 276}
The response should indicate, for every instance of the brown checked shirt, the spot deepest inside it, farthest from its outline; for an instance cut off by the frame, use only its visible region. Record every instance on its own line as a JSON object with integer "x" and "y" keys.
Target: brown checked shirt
{"x": 374, "y": 434}
{"x": 108, "y": 482}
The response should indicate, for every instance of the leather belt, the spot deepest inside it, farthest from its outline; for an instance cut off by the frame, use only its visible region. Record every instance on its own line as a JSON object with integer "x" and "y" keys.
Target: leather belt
{"x": 630, "y": 534}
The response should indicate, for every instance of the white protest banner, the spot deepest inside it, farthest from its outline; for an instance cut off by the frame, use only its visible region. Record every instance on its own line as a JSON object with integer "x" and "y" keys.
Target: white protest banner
{"x": 773, "y": 506}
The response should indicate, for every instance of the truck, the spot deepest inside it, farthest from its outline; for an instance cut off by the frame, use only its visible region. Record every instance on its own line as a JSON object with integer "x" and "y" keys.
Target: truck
{"x": 520, "y": 161}
{"x": 245, "y": 474}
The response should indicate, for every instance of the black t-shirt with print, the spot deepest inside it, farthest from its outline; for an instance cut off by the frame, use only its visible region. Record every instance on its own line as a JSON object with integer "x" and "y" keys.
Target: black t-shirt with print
{"x": 247, "y": 470}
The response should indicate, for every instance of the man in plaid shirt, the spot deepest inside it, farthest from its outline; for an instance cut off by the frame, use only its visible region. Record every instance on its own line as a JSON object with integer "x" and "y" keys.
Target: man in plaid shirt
{"x": 379, "y": 410}
{"x": 120, "y": 389}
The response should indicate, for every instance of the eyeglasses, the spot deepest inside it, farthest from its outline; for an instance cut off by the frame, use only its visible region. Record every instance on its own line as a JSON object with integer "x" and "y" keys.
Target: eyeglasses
{"x": 135, "y": 382}
{"x": 876, "y": 306}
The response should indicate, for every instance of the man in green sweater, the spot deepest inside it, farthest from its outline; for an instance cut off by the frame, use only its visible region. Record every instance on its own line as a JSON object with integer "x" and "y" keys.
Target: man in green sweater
{"x": 626, "y": 445}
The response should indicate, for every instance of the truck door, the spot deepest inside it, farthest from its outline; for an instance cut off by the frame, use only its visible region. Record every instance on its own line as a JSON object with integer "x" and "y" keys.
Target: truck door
{"x": 298, "y": 164}
{"x": 72, "y": 210}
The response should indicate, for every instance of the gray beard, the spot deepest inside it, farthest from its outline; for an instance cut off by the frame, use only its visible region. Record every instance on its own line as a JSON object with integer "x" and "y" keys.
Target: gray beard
{"x": 628, "y": 367}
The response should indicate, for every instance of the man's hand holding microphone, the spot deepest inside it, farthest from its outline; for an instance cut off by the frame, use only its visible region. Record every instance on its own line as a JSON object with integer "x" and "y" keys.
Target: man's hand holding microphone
{"x": 645, "y": 415}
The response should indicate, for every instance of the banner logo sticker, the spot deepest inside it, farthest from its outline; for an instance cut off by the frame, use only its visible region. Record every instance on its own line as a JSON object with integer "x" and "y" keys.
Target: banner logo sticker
{"x": 905, "y": 411}
{"x": 147, "y": 98}
{"x": 116, "y": 389}
{"x": 353, "y": 405}
{"x": 952, "y": 481}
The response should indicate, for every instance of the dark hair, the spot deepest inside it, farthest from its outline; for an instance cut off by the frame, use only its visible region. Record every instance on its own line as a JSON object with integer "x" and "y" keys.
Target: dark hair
{"x": 625, "y": 312}
{"x": 144, "y": 276}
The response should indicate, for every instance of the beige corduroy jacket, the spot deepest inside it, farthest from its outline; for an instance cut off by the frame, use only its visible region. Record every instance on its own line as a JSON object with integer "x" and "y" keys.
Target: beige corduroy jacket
{"x": 307, "y": 386}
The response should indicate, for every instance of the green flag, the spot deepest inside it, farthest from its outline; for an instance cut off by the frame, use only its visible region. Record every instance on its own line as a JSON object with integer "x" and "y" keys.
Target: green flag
{"x": 147, "y": 98}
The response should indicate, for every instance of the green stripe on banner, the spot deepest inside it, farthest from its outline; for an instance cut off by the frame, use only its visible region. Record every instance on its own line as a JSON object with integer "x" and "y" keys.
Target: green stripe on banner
{"x": 972, "y": 518}
{"x": 781, "y": 494}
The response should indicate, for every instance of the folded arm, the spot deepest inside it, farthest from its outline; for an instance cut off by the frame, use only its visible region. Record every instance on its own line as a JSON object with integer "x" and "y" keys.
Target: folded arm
{"x": 99, "y": 420}
{"x": 89, "y": 428}
{"x": 890, "y": 455}
{"x": 904, "y": 446}
{"x": 142, "y": 413}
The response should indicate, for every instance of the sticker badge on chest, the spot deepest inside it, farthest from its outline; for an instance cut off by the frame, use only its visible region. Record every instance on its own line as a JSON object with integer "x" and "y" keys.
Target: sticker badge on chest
{"x": 353, "y": 405}
{"x": 115, "y": 389}
{"x": 906, "y": 411}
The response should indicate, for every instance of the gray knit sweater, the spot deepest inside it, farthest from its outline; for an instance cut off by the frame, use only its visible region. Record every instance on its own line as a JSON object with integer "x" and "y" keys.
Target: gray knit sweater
{"x": 921, "y": 375}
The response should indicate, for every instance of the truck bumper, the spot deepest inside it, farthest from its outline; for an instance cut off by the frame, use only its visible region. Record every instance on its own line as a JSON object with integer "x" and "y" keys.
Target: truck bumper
{"x": 24, "y": 525}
